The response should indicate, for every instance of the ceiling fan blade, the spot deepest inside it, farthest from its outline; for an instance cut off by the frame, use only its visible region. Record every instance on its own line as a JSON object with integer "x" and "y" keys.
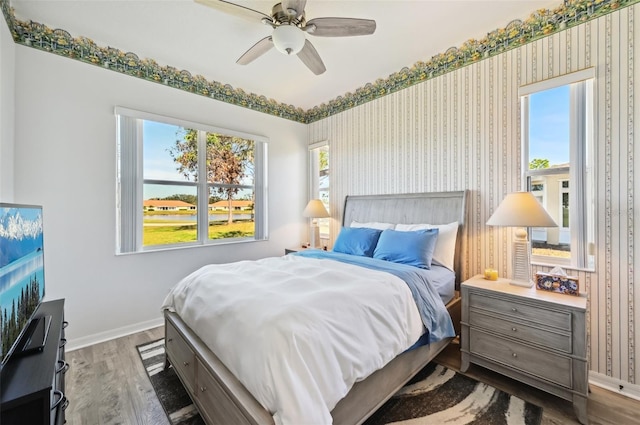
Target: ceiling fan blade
{"x": 234, "y": 9}
{"x": 297, "y": 5}
{"x": 257, "y": 50}
{"x": 340, "y": 27}
{"x": 310, "y": 57}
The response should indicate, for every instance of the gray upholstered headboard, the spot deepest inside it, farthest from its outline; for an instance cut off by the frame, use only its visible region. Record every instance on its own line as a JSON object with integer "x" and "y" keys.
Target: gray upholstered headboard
{"x": 412, "y": 208}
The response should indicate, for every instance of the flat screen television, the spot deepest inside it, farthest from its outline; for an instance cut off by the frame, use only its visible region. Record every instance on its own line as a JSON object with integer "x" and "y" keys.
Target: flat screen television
{"x": 21, "y": 280}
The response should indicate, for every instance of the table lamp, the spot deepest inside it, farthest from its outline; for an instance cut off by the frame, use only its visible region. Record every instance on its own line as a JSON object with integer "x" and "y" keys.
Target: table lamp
{"x": 315, "y": 209}
{"x": 521, "y": 209}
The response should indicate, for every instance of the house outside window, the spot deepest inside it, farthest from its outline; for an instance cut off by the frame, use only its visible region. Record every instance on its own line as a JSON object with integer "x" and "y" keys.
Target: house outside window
{"x": 187, "y": 184}
{"x": 538, "y": 190}
{"x": 557, "y": 136}
{"x": 319, "y": 181}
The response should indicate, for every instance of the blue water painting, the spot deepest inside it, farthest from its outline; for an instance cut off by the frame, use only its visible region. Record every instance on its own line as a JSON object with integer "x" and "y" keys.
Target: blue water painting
{"x": 21, "y": 270}
{"x": 16, "y": 276}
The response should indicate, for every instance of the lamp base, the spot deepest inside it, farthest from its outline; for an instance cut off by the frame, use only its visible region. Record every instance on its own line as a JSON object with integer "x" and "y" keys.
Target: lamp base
{"x": 521, "y": 260}
{"x": 315, "y": 236}
{"x": 523, "y": 283}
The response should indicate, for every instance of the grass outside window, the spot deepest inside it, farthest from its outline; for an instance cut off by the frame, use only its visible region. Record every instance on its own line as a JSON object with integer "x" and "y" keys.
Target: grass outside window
{"x": 159, "y": 232}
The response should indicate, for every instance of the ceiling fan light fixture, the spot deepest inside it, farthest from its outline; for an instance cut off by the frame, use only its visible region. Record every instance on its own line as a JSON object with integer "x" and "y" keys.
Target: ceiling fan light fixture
{"x": 288, "y": 39}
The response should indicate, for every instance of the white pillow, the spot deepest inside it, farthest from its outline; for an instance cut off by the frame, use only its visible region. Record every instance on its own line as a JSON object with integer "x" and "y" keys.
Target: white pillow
{"x": 374, "y": 225}
{"x": 445, "y": 250}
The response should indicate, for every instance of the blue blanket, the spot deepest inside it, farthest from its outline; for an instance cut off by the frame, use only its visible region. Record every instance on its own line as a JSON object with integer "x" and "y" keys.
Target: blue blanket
{"x": 434, "y": 314}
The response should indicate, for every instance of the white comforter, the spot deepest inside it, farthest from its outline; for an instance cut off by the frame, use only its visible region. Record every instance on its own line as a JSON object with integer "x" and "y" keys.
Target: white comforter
{"x": 298, "y": 332}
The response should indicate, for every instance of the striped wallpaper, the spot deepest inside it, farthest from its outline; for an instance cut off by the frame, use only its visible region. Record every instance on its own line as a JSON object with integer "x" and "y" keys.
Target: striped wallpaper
{"x": 462, "y": 131}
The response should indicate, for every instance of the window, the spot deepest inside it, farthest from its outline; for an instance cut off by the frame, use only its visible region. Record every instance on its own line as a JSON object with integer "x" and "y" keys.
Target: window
{"x": 319, "y": 180}
{"x": 557, "y": 166}
{"x": 184, "y": 184}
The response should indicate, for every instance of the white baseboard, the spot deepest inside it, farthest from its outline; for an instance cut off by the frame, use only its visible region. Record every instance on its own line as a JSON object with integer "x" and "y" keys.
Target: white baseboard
{"x": 615, "y": 385}
{"x": 78, "y": 343}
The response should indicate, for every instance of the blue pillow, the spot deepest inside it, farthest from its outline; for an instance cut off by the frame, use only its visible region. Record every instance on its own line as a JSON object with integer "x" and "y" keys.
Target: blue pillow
{"x": 357, "y": 241}
{"x": 412, "y": 248}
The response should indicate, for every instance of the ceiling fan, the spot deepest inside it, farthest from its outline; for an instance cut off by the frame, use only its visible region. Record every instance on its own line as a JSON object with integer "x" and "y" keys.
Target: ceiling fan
{"x": 289, "y": 25}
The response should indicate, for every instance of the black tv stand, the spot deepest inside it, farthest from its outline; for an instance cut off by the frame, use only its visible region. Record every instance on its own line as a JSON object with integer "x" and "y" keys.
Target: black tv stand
{"x": 35, "y": 337}
{"x": 32, "y": 386}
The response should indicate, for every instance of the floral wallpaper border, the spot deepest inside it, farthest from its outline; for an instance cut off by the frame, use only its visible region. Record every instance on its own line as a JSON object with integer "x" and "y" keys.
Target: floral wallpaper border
{"x": 540, "y": 24}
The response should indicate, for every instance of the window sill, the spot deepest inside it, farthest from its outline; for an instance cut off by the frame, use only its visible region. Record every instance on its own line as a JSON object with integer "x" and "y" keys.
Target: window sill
{"x": 559, "y": 263}
{"x": 160, "y": 248}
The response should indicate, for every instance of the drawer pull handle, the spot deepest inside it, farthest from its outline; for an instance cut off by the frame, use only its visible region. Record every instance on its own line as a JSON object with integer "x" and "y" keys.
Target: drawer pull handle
{"x": 170, "y": 340}
{"x": 514, "y": 329}
{"x": 514, "y": 309}
{"x": 63, "y": 342}
{"x": 62, "y": 399}
{"x": 64, "y": 367}
{"x": 203, "y": 389}
{"x": 185, "y": 363}
{"x": 65, "y": 324}
{"x": 514, "y": 354}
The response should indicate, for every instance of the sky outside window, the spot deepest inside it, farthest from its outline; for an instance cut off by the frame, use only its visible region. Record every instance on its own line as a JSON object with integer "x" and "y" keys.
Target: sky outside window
{"x": 549, "y": 125}
{"x": 159, "y": 138}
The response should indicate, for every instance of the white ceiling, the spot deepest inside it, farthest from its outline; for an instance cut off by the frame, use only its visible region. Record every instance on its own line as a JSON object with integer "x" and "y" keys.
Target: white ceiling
{"x": 207, "y": 41}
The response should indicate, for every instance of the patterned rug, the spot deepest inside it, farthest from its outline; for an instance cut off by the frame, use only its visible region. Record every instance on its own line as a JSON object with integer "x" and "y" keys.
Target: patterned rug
{"x": 436, "y": 395}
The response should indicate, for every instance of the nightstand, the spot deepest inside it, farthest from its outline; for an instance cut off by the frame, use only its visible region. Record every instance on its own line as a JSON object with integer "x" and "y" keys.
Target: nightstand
{"x": 290, "y": 250}
{"x": 536, "y": 337}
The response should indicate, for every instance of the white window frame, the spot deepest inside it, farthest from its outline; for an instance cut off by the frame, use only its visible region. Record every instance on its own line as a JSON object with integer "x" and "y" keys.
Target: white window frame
{"x": 130, "y": 182}
{"x": 581, "y": 176}
{"x": 314, "y": 179}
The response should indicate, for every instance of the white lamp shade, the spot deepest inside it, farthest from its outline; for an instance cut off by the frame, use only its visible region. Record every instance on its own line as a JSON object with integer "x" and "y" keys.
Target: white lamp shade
{"x": 315, "y": 209}
{"x": 521, "y": 209}
{"x": 288, "y": 39}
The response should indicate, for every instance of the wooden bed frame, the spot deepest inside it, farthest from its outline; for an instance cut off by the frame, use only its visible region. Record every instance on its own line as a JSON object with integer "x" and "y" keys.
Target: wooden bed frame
{"x": 221, "y": 397}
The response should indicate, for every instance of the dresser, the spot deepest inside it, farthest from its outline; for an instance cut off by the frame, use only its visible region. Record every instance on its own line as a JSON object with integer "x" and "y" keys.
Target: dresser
{"x": 533, "y": 336}
{"x": 33, "y": 384}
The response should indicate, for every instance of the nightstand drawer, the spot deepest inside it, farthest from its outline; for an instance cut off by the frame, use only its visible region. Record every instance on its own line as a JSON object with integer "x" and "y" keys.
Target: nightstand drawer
{"x": 533, "y": 335}
{"x": 539, "y": 363}
{"x": 540, "y": 316}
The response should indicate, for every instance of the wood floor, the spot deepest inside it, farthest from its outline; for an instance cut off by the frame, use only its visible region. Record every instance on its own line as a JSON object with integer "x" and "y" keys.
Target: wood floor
{"x": 604, "y": 407}
{"x": 106, "y": 384}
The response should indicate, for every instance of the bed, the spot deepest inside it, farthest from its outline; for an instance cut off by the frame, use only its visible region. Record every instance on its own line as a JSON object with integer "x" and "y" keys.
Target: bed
{"x": 222, "y": 398}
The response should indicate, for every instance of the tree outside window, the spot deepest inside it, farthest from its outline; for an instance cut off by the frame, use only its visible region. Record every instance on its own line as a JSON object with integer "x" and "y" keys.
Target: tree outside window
{"x": 229, "y": 165}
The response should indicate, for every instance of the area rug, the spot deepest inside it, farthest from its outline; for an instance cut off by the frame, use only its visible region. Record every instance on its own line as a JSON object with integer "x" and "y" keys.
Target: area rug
{"x": 436, "y": 395}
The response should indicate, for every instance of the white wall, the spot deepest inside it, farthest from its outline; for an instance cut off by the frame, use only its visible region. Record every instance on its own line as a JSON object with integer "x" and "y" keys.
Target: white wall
{"x": 65, "y": 159}
{"x": 7, "y": 99}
